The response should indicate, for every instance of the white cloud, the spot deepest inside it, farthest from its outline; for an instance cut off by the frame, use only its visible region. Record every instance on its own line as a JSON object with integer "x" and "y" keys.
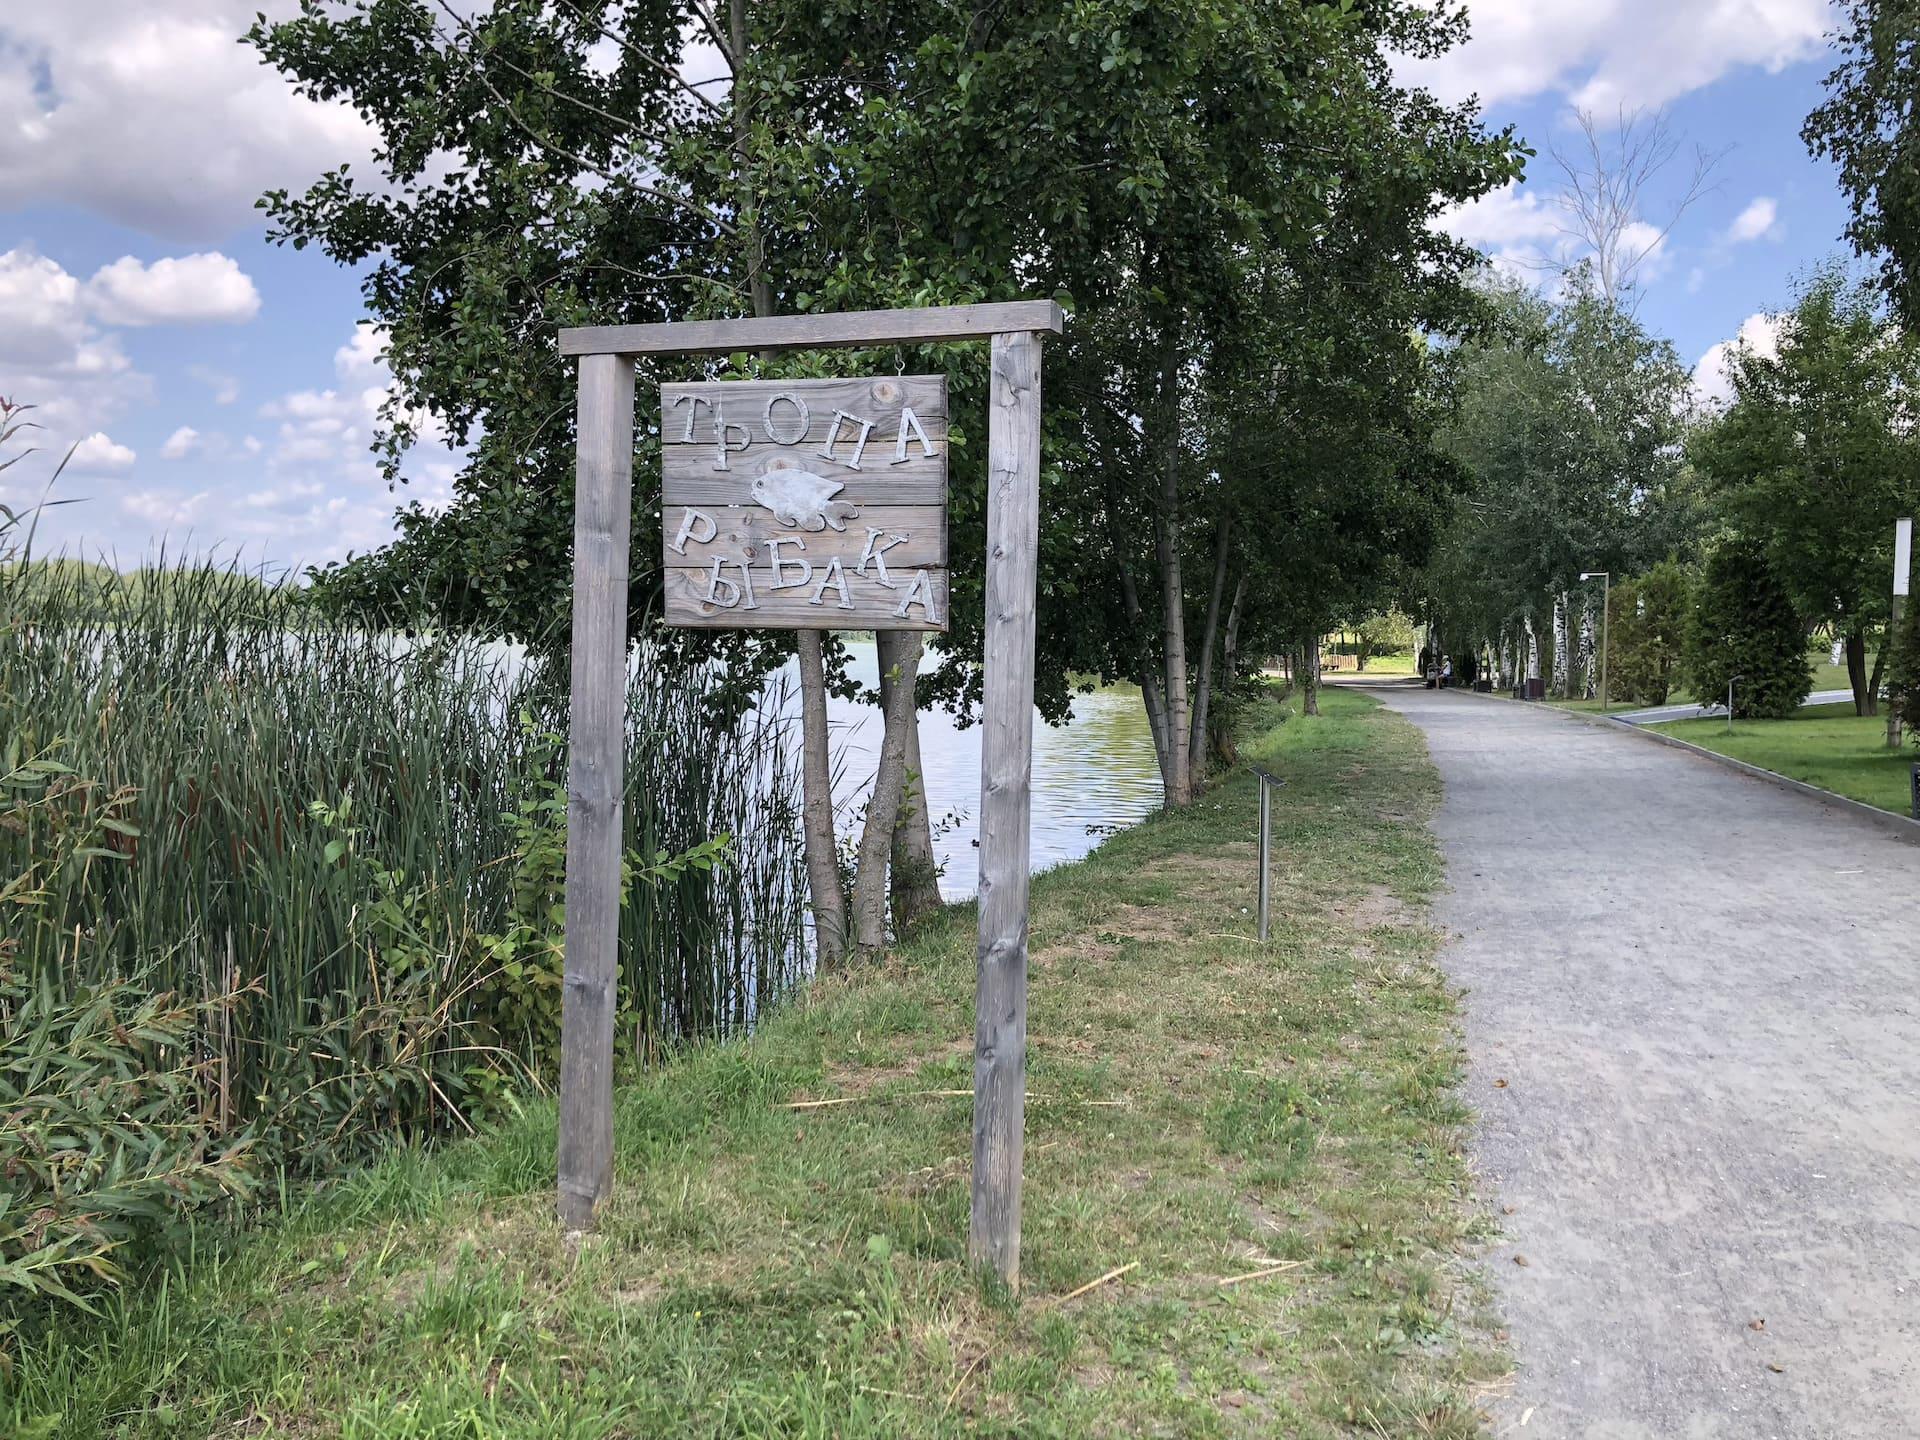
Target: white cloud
{"x": 1759, "y": 334}
{"x": 100, "y": 455}
{"x": 225, "y": 388}
{"x": 1520, "y": 232}
{"x": 1644, "y": 248}
{"x": 158, "y": 120}
{"x": 52, "y": 356}
{"x": 1759, "y": 221}
{"x": 1603, "y": 54}
{"x": 182, "y": 443}
{"x": 163, "y": 510}
{"x": 192, "y": 290}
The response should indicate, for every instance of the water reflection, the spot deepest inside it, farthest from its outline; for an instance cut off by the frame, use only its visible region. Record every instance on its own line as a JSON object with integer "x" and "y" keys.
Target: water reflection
{"x": 1090, "y": 777}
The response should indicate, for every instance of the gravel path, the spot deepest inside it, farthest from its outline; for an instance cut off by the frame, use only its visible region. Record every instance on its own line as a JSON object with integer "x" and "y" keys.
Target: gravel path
{"x": 1693, "y": 1011}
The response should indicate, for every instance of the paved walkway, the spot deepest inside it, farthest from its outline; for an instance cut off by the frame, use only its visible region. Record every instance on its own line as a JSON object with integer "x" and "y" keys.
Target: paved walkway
{"x": 1703, "y": 996}
{"x": 1699, "y": 712}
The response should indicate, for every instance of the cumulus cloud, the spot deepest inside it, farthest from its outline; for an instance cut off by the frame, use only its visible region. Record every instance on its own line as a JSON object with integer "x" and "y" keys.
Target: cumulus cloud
{"x": 1759, "y": 221}
{"x": 198, "y": 289}
{"x": 1712, "y": 378}
{"x": 182, "y": 443}
{"x": 1521, "y": 233}
{"x": 158, "y": 120}
{"x": 99, "y": 454}
{"x": 225, "y": 388}
{"x": 53, "y": 356}
{"x": 1629, "y": 53}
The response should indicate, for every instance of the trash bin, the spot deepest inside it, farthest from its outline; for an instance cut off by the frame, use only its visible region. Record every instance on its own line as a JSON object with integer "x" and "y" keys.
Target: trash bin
{"x": 1536, "y": 688}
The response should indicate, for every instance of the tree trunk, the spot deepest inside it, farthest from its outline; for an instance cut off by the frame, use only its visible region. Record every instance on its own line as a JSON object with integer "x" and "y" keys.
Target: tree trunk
{"x": 913, "y": 877}
{"x": 816, "y": 807}
{"x": 883, "y": 805}
{"x": 1203, "y": 691}
{"x": 1150, "y": 697}
{"x": 1310, "y": 675}
{"x": 1879, "y": 675}
{"x": 1173, "y": 618}
{"x": 1562, "y": 650}
{"x": 816, "y": 775}
{"x": 1864, "y": 700}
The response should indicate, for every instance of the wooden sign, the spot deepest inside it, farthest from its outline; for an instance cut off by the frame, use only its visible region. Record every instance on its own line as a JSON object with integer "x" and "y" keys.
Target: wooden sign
{"x": 806, "y": 504}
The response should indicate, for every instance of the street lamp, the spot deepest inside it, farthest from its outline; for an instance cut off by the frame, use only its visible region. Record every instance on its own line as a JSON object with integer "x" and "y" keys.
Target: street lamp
{"x": 1606, "y": 604}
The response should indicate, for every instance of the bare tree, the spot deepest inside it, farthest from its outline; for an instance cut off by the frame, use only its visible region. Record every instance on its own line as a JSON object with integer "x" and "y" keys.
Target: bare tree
{"x": 1608, "y": 179}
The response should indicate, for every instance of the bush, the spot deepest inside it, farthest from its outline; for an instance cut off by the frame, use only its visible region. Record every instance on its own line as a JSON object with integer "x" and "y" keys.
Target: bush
{"x": 1744, "y": 625}
{"x": 1903, "y": 671}
{"x": 109, "y": 1139}
{"x": 1647, "y": 626}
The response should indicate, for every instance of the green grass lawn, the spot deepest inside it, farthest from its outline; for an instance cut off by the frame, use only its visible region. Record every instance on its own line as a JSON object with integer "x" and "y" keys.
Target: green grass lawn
{"x": 1401, "y": 663}
{"x": 1825, "y": 677}
{"x": 784, "y": 1251}
{"x": 1824, "y": 745}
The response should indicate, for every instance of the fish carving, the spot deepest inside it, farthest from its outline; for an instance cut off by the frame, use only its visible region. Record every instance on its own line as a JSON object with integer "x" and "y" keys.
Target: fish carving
{"x": 803, "y": 500}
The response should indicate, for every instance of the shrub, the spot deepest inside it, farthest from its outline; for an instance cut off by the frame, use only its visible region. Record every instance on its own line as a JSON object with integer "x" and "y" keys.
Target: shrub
{"x": 1903, "y": 671}
{"x": 1744, "y": 625}
{"x": 1647, "y": 626}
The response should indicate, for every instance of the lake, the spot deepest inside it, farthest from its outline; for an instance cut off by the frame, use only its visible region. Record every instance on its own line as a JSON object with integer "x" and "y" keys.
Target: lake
{"x": 1092, "y": 776}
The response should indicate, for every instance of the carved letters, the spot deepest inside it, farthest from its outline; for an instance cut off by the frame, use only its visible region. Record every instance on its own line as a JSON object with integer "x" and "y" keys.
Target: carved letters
{"x": 846, "y": 533}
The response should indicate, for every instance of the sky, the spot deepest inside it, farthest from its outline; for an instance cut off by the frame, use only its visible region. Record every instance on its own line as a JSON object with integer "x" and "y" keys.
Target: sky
{"x": 219, "y": 393}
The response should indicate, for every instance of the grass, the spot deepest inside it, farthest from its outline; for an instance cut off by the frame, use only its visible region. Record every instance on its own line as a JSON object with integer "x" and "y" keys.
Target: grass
{"x": 333, "y": 820}
{"x": 1200, "y": 1109}
{"x": 1825, "y": 677}
{"x": 1401, "y": 663}
{"x": 1824, "y": 745}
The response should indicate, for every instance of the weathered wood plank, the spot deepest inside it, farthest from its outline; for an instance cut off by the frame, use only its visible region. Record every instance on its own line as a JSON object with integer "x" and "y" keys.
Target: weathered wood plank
{"x": 1006, "y": 774}
{"x": 892, "y": 425}
{"x": 603, "y": 491}
{"x": 876, "y": 487}
{"x": 878, "y": 397}
{"x": 911, "y": 536}
{"x": 928, "y": 325}
{"x": 794, "y": 607}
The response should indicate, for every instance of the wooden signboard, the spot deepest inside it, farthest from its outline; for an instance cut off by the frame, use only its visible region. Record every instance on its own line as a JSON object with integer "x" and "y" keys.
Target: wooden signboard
{"x": 739, "y": 513}
{"x": 806, "y": 504}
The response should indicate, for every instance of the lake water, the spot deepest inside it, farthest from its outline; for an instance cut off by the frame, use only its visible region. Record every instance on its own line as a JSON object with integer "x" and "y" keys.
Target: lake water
{"x": 1091, "y": 776}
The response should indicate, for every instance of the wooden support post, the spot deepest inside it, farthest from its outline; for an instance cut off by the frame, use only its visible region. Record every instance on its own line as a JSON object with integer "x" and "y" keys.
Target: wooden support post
{"x": 1006, "y": 774}
{"x": 602, "y": 520}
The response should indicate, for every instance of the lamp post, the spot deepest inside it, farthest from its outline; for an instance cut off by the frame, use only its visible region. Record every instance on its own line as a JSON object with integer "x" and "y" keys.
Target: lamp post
{"x": 1902, "y": 576}
{"x": 1606, "y": 605}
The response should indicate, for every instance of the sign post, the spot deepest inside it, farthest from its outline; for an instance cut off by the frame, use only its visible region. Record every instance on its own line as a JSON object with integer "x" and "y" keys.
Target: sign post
{"x": 1902, "y": 581}
{"x": 806, "y": 505}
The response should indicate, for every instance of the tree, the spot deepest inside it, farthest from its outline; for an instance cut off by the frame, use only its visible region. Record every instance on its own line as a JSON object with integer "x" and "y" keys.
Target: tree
{"x": 1869, "y": 128}
{"x": 1381, "y": 633}
{"x": 1605, "y": 194}
{"x": 1817, "y": 456}
{"x": 1745, "y": 633}
{"x": 1647, "y": 632}
{"x": 1904, "y": 672}
{"x": 1568, "y": 423}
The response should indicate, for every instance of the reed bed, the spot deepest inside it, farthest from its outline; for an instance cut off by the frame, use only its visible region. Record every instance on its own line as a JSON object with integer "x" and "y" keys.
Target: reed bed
{"x": 345, "y": 849}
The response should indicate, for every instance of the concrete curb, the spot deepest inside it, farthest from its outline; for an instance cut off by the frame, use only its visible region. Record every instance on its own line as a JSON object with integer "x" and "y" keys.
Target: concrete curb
{"x": 1894, "y": 824}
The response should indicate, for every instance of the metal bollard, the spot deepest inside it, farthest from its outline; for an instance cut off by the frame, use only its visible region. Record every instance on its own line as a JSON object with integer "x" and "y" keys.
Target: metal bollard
{"x": 1267, "y": 782}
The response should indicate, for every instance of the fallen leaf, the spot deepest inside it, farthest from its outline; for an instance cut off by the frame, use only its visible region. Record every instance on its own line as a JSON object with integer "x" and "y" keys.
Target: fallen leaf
{"x": 1521, "y": 1260}
{"x": 1757, "y": 1325}
{"x": 1500, "y": 1084}
{"x": 1777, "y": 1369}
{"x": 1508, "y": 1209}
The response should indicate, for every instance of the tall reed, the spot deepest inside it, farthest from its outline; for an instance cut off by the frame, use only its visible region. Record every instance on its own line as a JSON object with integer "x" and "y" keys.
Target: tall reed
{"x": 359, "y": 836}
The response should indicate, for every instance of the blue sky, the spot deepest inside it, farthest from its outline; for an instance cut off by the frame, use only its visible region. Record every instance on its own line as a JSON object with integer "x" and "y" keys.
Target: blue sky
{"x": 222, "y": 393}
